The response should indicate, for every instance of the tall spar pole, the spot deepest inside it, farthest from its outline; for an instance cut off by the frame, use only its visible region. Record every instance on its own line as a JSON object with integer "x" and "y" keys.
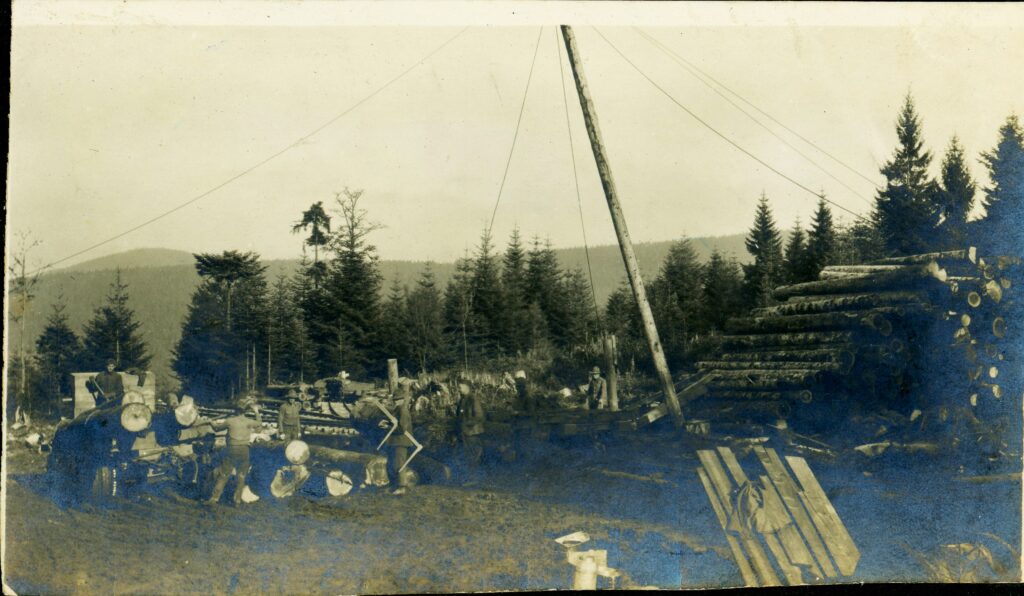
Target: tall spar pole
{"x": 619, "y": 221}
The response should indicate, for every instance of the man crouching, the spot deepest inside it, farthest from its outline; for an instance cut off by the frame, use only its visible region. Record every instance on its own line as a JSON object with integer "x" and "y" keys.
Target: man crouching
{"x": 236, "y": 453}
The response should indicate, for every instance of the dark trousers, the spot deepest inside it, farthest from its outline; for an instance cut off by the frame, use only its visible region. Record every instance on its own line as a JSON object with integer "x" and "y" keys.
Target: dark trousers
{"x": 236, "y": 458}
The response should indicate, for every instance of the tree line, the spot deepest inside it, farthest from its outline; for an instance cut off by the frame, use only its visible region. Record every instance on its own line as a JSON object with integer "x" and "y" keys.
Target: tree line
{"x": 518, "y": 304}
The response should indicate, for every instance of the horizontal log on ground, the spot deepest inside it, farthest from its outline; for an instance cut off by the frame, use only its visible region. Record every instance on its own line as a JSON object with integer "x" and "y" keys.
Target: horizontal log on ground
{"x": 904, "y": 278}
{"x": 837, "y": 354}
{"x": 765, "y": 380}
{"x": 862, "y": 268}
{"x": 882, "y": 319}
{"x": 967, "y": 254}
{"x": 804, "y": 396}
{"x": 817, "y": 304}
{"x": 777, "y": 365}
{"x": 717, "y": 409}
{"x": 812, "y": 339}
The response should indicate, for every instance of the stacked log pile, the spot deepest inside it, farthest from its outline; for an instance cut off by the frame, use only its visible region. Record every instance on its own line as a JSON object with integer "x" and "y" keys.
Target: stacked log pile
{"x": 880, "y": 333}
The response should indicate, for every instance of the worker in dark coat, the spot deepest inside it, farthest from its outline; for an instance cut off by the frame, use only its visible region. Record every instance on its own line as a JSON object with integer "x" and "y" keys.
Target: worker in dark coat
{"x": 235, "y": 458}
{"x": 597, "y": 391}
{"x": 527, "y": 403}
{"x": 288, "y": 424}
{"x": 108, "y": 385}
{"x": 399, "y": 442}
{"x": 470, "y": 416}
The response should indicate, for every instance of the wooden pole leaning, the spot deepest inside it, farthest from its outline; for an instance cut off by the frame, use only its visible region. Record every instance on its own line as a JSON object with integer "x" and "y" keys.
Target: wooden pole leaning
{"x": 619, "y": 221}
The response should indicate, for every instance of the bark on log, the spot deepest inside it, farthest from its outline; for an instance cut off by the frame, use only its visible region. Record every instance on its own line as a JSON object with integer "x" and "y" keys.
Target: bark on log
{"x": 803, "y": 396}
{"x": 738, "y": 408}
{"x": 880, "y": 319}
{"x": 818, "y": 304}
{"x": 836, "y": 355}
{"x": 780, "y": 365}
{"x": 967, "y": 254}
{"x": 904, "y": 278}
{"x": 764, "y": 380}
{"x": 815, "y": 339}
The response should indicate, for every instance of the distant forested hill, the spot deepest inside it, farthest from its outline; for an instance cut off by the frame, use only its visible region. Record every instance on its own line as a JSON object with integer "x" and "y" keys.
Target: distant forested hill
{"x": 161, "y": 282}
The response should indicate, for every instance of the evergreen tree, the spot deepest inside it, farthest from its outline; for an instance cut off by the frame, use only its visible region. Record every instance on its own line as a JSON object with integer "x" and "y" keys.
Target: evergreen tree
{"x": 487, "y": 298}
{"x": 584, "y": 325}
{"x": 58, "y": 352}
{"x": 955, "y": 197}
{"x": 426, "y": 323}
{"x": 905, "y": 210}
{"x": 721, "y": 291}
{"x": 543, "y": 288}
{"x": 206, "y": 358}
{"x": 795, "y": 260}
{"x": 393, "y": 331}
{"x": 622, "y": 319}
{"x": 517, "y": 332}
{"x": 765, "y": 245}
{"x": 290, "y": 354}
{"x": 1003, "y": 225}
{"x": 355, "y": 282}
{"x": 676, "y": 300}
{"x": 821, "y": 242}
{"x": 458, "y": 310}
{"x": 316, "y": 220}
{"x": 114, "y": 334}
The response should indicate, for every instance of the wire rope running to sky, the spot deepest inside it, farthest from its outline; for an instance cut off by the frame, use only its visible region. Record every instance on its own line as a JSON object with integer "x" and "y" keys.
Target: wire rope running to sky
{"x": 678, "y": 60}
{"x": 519, "y": 121}
{"x": 721, "y": 135}
{"x": 575, "y": 173}
{"x": 770, "y": 117}
{"x": 263, "y": 161}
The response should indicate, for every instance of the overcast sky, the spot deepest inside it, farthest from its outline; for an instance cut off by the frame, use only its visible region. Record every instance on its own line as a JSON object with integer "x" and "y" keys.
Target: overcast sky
{"x": 114, "y": 122}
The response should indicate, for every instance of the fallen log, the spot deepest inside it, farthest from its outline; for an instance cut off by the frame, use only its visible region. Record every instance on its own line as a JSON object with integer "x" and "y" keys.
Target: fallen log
{"x": 819, "y": 304}
{"x": 879, "y": 319}
{"x": 837, "y": 355}
{"x": 815, "y": 340}
{"x": 778, "y": 365}
{"x": 764, "y": 380}
{"x": 967, "y": 254}
{"x": 719, "y": 408}
{"x": 804, "y": 396}
{"x": 904, "y": 278}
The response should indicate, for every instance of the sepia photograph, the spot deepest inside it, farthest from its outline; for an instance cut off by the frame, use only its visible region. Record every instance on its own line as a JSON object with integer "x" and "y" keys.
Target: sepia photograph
{"x": 457, "y": 297}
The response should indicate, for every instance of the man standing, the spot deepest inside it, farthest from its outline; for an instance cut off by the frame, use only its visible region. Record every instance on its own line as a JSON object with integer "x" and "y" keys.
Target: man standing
{"x": 288, "y": 424}
{"x": 236, "y": 453}
{"x": 526, "y": 401}
{"x": 597, "y": 390}
{"x": 470, "y": 417}
{"x": 108, "y": 384}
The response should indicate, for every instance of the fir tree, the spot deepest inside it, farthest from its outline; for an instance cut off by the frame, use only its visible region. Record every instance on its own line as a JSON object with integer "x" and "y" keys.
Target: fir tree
{"x": 955, "y": 197}
{"x": 355, "y": 282}
{"x": 426, "y": 323}
{"x": 487, "y": 299}
{"x": 458, "y": 310}
{"x": 821, "y": 241}
{"x": 517, "y": 330}
{"x": 206, "y": 358}
{"x": 114, "y": 334}
{"x": 543, "y": 288}
{"x": 290, "y": 354}
{"x": 58, "y": 352}
{"x": 1003, "y": 225}
{"x": 795, "y": 260}
{"x": 393, "y": 330}
{"x": 721, "y": 291}
{"x": 622, "y": 319}
{"x": 584, "y": 324}
{"x": 905, "y": 210}
{"x": 764, "y": 243}
{"x": 676, "y": 300}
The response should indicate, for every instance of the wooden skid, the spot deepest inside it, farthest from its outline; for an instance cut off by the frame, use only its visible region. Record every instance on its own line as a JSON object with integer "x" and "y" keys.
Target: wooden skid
{"x": 792, "y": 518}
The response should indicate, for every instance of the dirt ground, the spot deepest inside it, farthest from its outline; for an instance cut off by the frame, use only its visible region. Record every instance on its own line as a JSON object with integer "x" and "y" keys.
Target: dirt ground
{"x": 637, "y": 497}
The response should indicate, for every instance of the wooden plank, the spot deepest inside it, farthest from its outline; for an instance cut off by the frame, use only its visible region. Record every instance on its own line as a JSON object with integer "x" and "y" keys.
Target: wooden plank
{"x": 749, "y": 577}
{"x": 734, "y": 466}
{"x": 836, "y": 536}
{"x": 795, "y": 546}
{"x": 761, "y": 563}
{"x": 791, "y": 498}
{"x": 792, "y": 572}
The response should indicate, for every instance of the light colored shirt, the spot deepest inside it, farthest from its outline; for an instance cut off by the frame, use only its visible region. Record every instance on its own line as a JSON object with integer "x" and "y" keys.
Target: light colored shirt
{"x": 240, "y": 429}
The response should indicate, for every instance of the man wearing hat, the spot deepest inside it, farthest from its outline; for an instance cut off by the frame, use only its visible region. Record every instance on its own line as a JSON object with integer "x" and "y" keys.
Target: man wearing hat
{"x": 527, "y": 403}
{"x": 236, "y": 456}
{"x": 108, "y": 385}
{"x": 597, "y": 391}
{"x": 288, "y": 424}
